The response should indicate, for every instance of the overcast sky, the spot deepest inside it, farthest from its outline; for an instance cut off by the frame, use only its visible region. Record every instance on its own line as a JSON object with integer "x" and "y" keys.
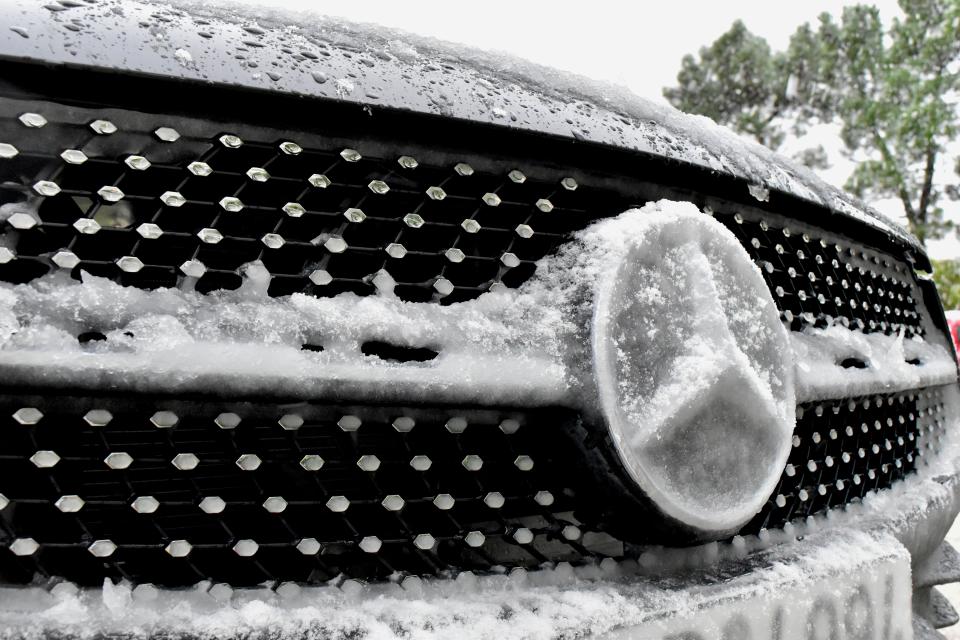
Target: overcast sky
{"x": 639, "y": 44}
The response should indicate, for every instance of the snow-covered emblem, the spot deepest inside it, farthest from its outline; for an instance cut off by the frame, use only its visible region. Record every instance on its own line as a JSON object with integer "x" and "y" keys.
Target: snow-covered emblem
{"x": 693, "y": 366}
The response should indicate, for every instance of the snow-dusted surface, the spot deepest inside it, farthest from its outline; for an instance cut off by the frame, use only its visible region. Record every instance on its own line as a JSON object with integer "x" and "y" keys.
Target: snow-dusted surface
{"x": 818, "y": 353}
{"x": 526, "y": 346}
{"x": 692, "y": 362}
{"x": 952, "y": 591}
{"x": 302, "y": 53}
{"x": 178, "y": 339}
{"x": 244, "y": 340}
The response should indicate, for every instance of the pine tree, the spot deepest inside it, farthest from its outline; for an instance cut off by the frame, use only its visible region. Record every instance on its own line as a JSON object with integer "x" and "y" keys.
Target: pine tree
{"x": 893, "y": 89}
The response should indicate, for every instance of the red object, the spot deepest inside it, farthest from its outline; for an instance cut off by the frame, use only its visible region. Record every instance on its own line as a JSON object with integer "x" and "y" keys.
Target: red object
{"x": 953, "y": 321}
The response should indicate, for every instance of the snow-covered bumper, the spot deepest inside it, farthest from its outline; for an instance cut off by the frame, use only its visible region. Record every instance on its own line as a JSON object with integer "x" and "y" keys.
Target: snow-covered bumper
{"x": 842, "y": 585}
{"x": 833, "y": 581}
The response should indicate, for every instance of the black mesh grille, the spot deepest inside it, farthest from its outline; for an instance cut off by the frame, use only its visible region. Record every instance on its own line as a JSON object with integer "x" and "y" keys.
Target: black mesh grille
{"x": 469, "y": 242}
{"x": 844, "y": 449}
{"x": 464, "y": 247}
{"x": 522, "y": 485}
{"x": 468, "y": 227}
{"x": 816, "y": 280}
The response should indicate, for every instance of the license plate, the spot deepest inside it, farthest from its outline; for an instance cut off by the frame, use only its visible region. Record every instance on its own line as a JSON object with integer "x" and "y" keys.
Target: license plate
{"x": 871, "y": 601}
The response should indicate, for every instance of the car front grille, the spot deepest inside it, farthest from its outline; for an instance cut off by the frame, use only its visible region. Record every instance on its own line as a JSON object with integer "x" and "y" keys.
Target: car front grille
{"x": 316, "y": 490}
{"x": 845, "y": 449}
{"x": 330, "y": 208}
{"x": 128, "y": 202}
{"x": 245, "y": 492}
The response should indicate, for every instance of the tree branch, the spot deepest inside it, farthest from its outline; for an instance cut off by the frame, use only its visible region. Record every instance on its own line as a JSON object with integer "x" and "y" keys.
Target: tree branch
{"x": 931, "y": 158}
{"x": 901, "y": 186}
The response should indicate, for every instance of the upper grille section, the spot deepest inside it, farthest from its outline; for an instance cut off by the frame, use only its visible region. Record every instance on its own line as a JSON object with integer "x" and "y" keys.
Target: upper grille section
{"x": 817, "y": 280}
{"x": 157, "y": 206}
{"x": 155, "y": 201}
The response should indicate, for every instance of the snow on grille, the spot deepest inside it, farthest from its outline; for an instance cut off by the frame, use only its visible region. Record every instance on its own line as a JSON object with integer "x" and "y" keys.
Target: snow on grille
{"x": 845, "y": 449}
{"x": 154, "y": 201}
{"x": 151, "y": 206}
{"x": 562, "y": 601}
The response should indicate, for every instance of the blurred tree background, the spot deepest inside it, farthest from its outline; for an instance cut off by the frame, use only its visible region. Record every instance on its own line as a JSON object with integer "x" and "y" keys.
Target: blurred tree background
{"x": 948, "y": 282}
{"x": 893, "y": 90}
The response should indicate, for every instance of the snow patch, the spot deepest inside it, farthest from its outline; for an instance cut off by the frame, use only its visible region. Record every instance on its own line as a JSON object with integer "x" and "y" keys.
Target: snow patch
{"x": 184, "y": 57}
{"x": 893, "y": 363}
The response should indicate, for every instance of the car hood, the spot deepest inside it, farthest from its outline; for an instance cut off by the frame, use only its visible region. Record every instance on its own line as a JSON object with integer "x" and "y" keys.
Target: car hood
{"x": 326, "y": 58}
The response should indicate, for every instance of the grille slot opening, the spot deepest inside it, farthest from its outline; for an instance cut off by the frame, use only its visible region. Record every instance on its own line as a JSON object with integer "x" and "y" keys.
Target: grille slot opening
{"x": 397, "y": 353}
{"x": 91, "y": 336}
{"x": 316, "y": 348}
{"x": 853, "y": 363}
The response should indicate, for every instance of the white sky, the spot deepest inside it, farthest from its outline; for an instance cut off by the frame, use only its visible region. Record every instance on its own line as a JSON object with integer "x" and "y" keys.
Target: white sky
{"x": 638, "y": 44}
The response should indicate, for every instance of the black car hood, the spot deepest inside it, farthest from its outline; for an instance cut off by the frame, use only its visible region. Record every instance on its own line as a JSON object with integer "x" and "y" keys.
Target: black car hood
{"x": 309, "y": 55}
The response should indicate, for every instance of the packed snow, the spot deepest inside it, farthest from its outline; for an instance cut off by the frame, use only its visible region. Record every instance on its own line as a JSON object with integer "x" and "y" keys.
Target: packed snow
{"x": 893, "y": 363}
{"x": 525, "y": 346}
{"x": 243, "y": 340}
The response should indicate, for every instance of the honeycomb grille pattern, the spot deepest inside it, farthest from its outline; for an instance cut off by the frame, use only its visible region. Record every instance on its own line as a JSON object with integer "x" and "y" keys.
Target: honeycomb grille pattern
{"x": 174, "y": 493}
{"x": 177, "y": 492}
{"x": 248, "y": 493}
{"x": 150, "y": 201}
{"x": 844, "y": 449}
{"x": 816, "y": 280}
{"x": 161, "y": 208}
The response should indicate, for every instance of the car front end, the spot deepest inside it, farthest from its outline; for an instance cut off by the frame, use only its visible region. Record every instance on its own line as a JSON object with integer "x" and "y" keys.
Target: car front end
{"x": 324, "y": 329}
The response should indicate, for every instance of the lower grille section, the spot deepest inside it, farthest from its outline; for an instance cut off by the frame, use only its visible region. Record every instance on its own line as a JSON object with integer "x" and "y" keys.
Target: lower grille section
{"x": 844, "y": 449}
{"x": 174, "y": 492}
